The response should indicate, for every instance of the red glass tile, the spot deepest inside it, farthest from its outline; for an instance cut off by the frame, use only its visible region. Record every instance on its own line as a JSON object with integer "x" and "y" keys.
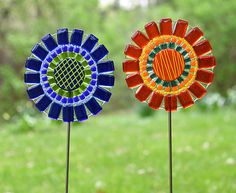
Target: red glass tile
{"x": 206, "y": 62}
{"x": 202, "y": 47}
{"x": 133, "y": 51}
{"x": 166, "y": 26}
{"x": 170, "y": 103}
{"x": 181, "y": 28}
{"x": 140, "y": 39}
{"x": 155, "y": 101}
{"x": 185, "y": 99}
{"x": 152, "y": 30}
{"x": 205, "y": 76}
{"x": 197, "y": 89}
{"x": 143, "y": 92}
{"x": 131, "y": 66}
{"x": 134, "y": 80}
{"x": 194, "y": 35}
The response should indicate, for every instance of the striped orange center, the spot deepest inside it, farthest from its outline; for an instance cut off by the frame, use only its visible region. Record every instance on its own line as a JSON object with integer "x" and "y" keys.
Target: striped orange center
{"x": 168, "y": 64}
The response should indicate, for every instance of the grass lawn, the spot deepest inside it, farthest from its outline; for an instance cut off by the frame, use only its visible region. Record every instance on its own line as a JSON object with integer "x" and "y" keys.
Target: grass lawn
{"x": 122, "y": 153}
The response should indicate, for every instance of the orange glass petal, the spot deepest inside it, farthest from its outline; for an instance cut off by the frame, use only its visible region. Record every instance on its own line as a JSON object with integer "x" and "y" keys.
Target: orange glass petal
{"x": 181, "y": 28}
{"x": 152, "y": 30}
{"x": 134, "y": 80}
{"x": 133, "y": 51}
{"x": 140, "y": 39}
{"x": 131, "y": 66}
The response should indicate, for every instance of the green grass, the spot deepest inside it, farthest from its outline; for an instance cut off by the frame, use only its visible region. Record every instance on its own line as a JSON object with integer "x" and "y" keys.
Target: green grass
{"x": 122, "y": 153}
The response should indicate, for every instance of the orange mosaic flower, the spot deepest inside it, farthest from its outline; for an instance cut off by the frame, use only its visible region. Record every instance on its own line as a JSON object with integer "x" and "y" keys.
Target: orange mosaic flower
{"x": 170, "y": 66}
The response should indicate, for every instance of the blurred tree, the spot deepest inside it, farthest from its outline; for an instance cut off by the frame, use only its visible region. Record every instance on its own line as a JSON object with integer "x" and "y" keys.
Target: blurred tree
{"x": 24, "y": 22}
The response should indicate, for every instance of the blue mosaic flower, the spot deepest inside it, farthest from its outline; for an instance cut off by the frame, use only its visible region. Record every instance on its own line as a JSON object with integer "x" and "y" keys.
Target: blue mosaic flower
{"x": 69, "y": 78}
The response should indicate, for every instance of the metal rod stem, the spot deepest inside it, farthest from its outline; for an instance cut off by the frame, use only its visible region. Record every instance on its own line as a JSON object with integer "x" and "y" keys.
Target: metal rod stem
{"x": 170, "y": 151}
{"x": 68, "y": 158}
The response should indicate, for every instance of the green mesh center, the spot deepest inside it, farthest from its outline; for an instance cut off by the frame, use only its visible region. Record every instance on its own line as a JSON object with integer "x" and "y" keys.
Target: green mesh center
{"x": 69, "y": 74}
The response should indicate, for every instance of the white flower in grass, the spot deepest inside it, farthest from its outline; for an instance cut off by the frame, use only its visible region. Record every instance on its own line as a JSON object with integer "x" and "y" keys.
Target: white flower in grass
{"x": 99, "y": 185}
{"x": 230, "y": 161}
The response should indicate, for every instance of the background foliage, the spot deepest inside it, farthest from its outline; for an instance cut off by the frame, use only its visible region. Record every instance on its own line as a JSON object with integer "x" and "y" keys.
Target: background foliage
{"x": 115, "y": 152}
{"x": 24, "y": 22}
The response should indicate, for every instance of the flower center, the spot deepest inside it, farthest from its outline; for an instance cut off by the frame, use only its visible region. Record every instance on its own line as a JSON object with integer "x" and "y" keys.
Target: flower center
{"x": 168, "y": 64}
{"x": 69, "y": 74}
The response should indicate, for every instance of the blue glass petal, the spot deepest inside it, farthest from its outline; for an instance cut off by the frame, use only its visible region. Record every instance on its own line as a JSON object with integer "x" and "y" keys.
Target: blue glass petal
{"x": 106, "y": 66}
{"x": 33, "y": 64}
{"x": 68, "y": 114}
{"x": 32, "y": 78}
{"x": 90, "y": 42}
{"x": 39, "y": 51}
{"x": 49, "y": 42}
{"x": 35, "y": 92}
{"x": 81, "y": 113}
{"x": 55, "y": 110}
{"x": 106, "y": 80}
{"x": 76, "y": 37}
{"x": 99, "y": 53}
{"x": 62, "y": 36}
{"x": 102, "y": 94}
{"x": 43, "y": 103}
{"x": 93, "y": 106}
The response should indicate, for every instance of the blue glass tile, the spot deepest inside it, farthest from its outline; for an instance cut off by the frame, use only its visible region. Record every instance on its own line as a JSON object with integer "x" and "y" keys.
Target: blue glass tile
{"x": 58, "y": 97}
{"x": 53, "y": 95}
{"x": 43, "y": 103}
{"x": 94, "y": 76}
{"x": 106, "y": 66}
{"x": 76, "y": 99}
{"x": 39, "y": 52}
{"x": 58, "y": 50}
{"x": 64, "y": 100}
{"x": 76, "y": 50}
{"x": 99, "y": 53}
{"x": 76, "y": 37}
{"x": 68, "y": 114}
{"x": 46, "y": 85}
{"x": 93, "y": 82}
{"x": 32, "y": 78}
{"x": 33, "y": 64}
{"x": 87, "y": 57}
{"x": 64, "y": 48}
{"x": 70, "y": 100}
{"x": 82, "y": 97}
{"x": 62, "y": 36}
{"x": 71, "y": 49}
{"x": 45, "y": 65}
{"x": 49, "y": 91}
{"x": 81, "y": 113}
{"x": 54, "y": 55}
{"x": 35, "y": 92}
{"x": 83, "y": 53}
{"x": 93, "y": 69}
{"x": 90, "y": 42}
{"x": 102, "y": 94}
{"x": 90, "y": 88}
{"x": 90, "y": 63}
{"x": 106, "y": 80}
{"x": 93, "y": 106}
{"x": 55, "y": 111}
{"x": 49, "y": 42}
{"x": 44, "y": 72}
{"x": 49, "y": 59}
{"x": 86, "y": 93}
{"x": 45, "y": 78}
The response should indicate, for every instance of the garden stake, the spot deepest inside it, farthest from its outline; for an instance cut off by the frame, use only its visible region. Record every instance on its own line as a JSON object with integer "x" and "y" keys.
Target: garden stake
{"x": 69, "y": 78}
{"x": 169, "y": 67}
